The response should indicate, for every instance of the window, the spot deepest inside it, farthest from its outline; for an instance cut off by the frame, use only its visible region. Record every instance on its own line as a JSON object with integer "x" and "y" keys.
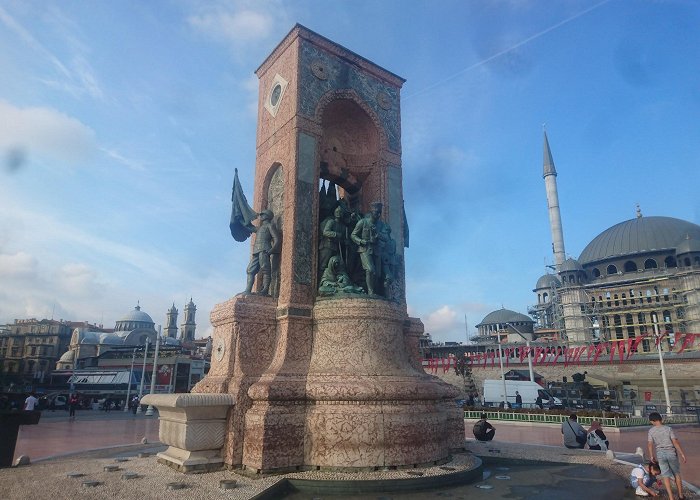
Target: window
{"x": 612, "y": 269}
{"x": 650, "y": 264}
{"x": 686, "y": 261}
{"x": 630, "y": 266}
{"x": 670, "y": 261}
{"x": 617, "y": 301}
{"x": 624, "y": 299}
{"x": 596, "y": 271}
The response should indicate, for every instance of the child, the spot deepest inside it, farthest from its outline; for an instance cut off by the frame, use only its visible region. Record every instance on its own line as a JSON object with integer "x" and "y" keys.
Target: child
{"x": 643, "y": 477}
{"x": 668, "y": 449}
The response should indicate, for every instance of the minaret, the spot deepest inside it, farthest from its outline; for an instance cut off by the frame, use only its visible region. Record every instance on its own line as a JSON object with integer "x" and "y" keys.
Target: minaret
{"x": 171, "y": 325}
{"x": 550, "y": 183}
{"x": 188, "y": 326}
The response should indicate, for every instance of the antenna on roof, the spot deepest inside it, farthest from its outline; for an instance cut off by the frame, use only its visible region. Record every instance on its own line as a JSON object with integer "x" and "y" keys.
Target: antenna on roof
{"x": 639, "y": 212}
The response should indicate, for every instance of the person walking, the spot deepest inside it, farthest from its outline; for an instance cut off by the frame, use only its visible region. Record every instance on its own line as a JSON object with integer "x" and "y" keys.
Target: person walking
{"x": 135, "y": 404}
{"x": 574, "y": 434}
{"x": 518, "y": 400}
{"x": 72, "y": 406}
{"x": 664, "y": 448}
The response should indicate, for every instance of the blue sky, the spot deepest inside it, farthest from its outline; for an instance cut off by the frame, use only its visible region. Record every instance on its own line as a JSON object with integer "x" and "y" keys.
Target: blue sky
{"x": 121, "y": 124}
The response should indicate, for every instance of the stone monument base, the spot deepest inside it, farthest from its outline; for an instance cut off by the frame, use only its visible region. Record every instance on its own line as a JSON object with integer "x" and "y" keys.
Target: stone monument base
{"x": 193, "y": 426}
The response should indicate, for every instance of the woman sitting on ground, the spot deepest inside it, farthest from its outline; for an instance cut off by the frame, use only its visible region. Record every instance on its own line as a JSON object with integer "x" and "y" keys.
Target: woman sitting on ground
{"x": 596, "y": 437}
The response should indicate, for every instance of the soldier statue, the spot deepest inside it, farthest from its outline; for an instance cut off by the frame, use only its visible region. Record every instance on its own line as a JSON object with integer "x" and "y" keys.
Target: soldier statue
{"x": 267, "y": 242}
{"x": 333, "y": 239}
{"x": 370, "y": 236}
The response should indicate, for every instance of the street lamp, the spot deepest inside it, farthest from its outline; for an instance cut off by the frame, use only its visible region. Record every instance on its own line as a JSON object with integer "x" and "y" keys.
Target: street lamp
{"x": 149, "y": 411}
{"x": 657, "y": 339}
{"x": 143, "y": 374}
{"x": 128, "y": 385}
{"x": 503, "y": 376}
{"x": 527, "y": 343}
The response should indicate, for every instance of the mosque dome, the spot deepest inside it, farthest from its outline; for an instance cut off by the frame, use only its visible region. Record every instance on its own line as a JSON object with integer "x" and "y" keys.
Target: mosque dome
{"x": 502, "y": 316}
{"x": 547, "y": 281}
{"x": 688, "y": 245}
{"x": 137, "y": 315}
{"x": 638, "y": 236}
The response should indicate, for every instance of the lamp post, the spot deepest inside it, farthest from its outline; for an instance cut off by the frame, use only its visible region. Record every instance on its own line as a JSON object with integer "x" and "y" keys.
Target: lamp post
{"x": 503, "y": 376}
{"x": 149, "y": 411}
{"x": 527, "y": 343}
{"x": 128, "y": 385}
{"x": 143, "y": 375}
{"x": 657, "y": 339}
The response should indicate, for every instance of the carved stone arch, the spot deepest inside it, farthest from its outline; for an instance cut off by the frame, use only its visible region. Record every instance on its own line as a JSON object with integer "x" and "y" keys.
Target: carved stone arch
{"x": 351, "y": 146}
{"x": 273, "y": 192}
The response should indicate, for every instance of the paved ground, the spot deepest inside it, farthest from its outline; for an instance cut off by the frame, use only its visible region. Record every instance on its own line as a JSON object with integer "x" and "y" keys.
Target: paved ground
{"x": 56, "y": 436}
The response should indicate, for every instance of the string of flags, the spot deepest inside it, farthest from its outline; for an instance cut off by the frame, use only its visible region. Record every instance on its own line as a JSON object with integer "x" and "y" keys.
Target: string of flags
{"x": 614, "y": 350}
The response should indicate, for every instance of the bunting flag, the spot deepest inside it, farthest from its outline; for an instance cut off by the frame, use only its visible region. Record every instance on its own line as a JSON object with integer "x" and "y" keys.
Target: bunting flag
{"x": 524, "y": 352}
{"x": 507, "y": 352}
{"x": 590, "y": 351}
{"x": 598, "y": 351}
{"x": 625, "y": 349}
{"x": 676, "y": 338}
{"x": 556, "y": 357}
{"x": 688, "y": 341}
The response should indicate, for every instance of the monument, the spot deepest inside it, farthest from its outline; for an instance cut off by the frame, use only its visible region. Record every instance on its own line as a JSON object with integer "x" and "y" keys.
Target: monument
{"x": 316, "y": 364}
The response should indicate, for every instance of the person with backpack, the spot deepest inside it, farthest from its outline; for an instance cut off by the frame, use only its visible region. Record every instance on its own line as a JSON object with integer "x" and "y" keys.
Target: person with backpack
{"x": 596, "y": 437}
{"x": 574, "y": 434}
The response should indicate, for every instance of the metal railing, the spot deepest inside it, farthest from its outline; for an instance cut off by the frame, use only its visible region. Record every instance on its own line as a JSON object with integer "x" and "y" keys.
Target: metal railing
{"x": 550, "y": 418}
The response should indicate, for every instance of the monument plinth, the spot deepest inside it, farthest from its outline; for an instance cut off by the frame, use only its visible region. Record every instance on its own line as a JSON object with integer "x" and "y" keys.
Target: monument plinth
{"x": 319, "y": 353}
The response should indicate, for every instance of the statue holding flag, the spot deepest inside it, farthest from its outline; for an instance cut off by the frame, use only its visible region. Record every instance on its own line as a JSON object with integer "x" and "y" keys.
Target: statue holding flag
{"x": 268, "y": 241}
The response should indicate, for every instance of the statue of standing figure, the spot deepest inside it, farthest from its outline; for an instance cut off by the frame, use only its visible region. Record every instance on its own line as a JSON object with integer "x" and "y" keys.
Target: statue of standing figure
{"x": 267, "y": 243}
{"x": 334, "y": 239}
{"x": 370, "y": 235}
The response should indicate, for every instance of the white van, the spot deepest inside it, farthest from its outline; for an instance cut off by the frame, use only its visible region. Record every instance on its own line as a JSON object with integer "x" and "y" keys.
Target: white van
{"x": 493, "y": 393}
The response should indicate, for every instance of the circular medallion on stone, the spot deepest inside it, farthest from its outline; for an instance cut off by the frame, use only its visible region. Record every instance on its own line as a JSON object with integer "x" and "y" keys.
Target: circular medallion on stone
{"x": 384, "y": 100}
{"x": 319, "y": 69}
{"x": 220, "y": 350}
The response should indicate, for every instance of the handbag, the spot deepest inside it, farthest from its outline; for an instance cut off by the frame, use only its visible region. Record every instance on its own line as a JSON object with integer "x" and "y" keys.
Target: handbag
{"x": 580, "y": 439}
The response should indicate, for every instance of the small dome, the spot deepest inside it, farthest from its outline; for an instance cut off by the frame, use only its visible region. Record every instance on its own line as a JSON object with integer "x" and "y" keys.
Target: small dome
{"x": 110, "y": 338}
{"x": 67, "y": 357}
{"x": 547, "y": 281}
{"x": 504, "y": 316}
{"x": 571, "y": 265}
{"x": 89, "y": 337}
{"x": 688, "y": 245}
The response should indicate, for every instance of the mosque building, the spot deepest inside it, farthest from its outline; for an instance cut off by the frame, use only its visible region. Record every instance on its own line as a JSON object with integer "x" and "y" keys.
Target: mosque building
{"x": 136, "y": 328}
{"x": 637, "y": 279}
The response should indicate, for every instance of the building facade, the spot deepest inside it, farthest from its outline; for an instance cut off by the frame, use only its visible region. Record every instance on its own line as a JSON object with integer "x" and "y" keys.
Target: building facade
{"x": 637, "y": 279}
{"x": 30, "y": 348}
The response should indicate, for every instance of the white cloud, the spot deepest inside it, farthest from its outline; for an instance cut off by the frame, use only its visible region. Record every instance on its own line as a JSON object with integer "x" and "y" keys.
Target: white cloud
{"x": 443, "y": 320}
{"x": 44, "y": 131}
{"x": 18, "y": 265}
{"x": 78, "y": 279}
{"x": 233, "y": 26}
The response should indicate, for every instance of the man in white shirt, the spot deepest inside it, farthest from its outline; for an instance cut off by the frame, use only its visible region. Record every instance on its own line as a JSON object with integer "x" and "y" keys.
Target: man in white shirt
{"x": 30, "y": 403}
